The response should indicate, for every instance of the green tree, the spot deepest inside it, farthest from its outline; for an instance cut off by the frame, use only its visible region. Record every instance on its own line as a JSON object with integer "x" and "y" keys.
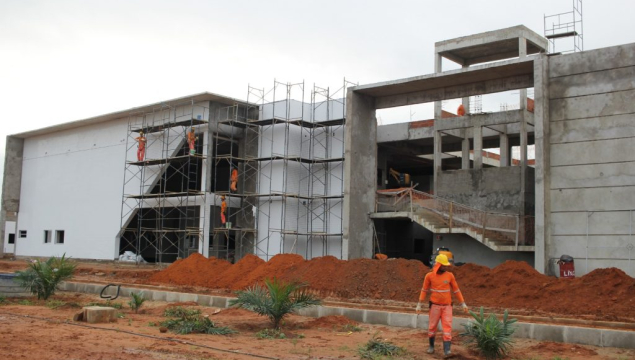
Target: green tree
{"x": 275, "y": 300}
{"x": 42, "y": 278}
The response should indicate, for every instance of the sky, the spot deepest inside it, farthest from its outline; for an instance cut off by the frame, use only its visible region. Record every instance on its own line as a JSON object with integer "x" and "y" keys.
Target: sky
{"x": 67, "y": 60}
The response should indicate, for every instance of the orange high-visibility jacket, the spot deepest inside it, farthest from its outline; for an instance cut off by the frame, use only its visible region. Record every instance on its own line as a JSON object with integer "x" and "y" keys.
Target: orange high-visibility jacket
{"x": 441, "y": 287}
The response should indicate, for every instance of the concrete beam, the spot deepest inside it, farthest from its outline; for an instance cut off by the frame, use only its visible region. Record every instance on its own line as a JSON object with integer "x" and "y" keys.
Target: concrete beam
{"x": 458, "y": 91}
{"x": 360, "y": 174}
{"x": 493, "y": 119}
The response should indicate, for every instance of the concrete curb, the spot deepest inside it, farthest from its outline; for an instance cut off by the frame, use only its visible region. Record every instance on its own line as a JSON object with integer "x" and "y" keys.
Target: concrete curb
{"x": 542, "y": 332}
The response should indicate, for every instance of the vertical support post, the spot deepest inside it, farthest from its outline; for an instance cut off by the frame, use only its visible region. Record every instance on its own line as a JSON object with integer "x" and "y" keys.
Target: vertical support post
{"x": 517, "y": 230}
{"x": 484, "y": 225}
{"x": 504, "y": 149}
{"x": 360, "y": 175}
{"x": 465, "y": 150}
{"x": 438, "y": 160}
{"x": 478, "y": 147}
{"x": 438, "y": 68}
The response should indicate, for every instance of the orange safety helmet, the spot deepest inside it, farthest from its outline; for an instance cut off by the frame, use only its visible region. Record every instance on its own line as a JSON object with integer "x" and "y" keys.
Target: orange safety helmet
{"x": 461, "y": 110}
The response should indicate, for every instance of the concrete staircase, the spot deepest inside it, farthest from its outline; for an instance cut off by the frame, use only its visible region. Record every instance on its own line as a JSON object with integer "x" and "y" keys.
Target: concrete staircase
{"x": 439, "y": 224}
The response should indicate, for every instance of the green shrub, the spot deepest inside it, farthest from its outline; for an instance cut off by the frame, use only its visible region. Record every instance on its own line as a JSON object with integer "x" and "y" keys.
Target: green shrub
{"x": 3, "y": 300}
{"x": 196, "y": 325}
{"x": 26, "y": 302}
{"x": 179, "y": 311}
{"x": 136, "y": 301}
{"x": 276, "y": 300}
{"x": 270, "y": 334}
{"x": 376, "y": 348}
{"x": 42, "y": 278}
{"x": 490, "y": 336}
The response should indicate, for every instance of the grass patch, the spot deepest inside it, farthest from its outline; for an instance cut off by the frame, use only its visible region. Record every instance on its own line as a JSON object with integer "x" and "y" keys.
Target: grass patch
{"x": 195, "y": 325}
{"x": 181, "y": 312}
{"x": 270, "y": 334}
{"x": 3, "y": 300}
{"x": 375, "y": 348}
{"x": 54, "y": 304}
{"x": 26, "y": 302}
{"x": 351, "y": 328}
{"x": 116, "y": 305}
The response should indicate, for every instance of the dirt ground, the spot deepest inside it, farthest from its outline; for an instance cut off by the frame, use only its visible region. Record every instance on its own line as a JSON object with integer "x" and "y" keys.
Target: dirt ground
{"x": 36, "y": 330}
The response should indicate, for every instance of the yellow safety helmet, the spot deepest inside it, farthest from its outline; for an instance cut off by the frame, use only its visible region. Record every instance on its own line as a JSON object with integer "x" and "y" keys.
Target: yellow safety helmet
{"x": 442, "y": 259}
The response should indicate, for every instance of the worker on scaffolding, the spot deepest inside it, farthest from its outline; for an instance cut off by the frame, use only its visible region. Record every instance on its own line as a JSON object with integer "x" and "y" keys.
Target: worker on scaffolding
{"x": 141, "y": 148}
{"x": 234, "y": 180}
{"x": 461, "y": 110}
{"x": 223, "y": 210}
{"x": 441, "y": 284}
{"x": 191, "y": 140}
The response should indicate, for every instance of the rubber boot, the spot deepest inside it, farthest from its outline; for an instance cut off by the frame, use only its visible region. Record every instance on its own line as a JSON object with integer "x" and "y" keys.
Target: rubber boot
{"x": 431, "y": 348}
{"x": 446, "y": 348}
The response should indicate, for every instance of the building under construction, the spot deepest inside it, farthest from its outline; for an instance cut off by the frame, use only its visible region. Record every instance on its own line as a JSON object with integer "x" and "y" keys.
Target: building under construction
{"x": 306, "y": 169}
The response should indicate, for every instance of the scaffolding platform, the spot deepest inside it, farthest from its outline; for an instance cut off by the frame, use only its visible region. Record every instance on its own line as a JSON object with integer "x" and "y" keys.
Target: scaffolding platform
{"x": 167, "y": 125}
{"x": 151, "y": 162}
{"x": 167, "y": 195}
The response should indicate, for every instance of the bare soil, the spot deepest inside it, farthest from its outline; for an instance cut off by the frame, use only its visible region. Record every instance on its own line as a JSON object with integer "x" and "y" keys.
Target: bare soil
{"x": 38, "y": 331}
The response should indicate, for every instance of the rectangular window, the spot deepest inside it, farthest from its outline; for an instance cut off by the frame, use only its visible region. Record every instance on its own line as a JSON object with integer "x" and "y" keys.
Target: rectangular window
{"x": 22, "y": 233}
{"x": 11, "y": 238}
{"x": 59, "y": 236}
{"x": 47, "y": 236}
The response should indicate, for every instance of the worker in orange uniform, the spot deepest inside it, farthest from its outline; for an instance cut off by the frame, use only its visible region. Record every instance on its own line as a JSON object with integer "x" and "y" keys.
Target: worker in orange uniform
{"x": 441, "y": 284}
{"x": 223, "y": 210}
{"x": 141, "y": 149}
{"x": 234, "y": 180}
{"x": 461, "y": 110}
{"x": 191, "y": 140}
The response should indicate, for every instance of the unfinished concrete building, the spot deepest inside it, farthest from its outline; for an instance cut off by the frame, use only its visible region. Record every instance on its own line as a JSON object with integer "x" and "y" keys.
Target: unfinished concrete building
{"x": 315, "y": 173}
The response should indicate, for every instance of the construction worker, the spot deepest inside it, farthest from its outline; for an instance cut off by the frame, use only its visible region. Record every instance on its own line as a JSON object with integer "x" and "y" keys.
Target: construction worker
{"x": 234, "y": 180}
{"x": 223, "y": 210}
{"x": 141, "y": 149}
{"x": 441, "y": 284}
{"x": 191, "y": 140}
{"x": 461, "y": 110}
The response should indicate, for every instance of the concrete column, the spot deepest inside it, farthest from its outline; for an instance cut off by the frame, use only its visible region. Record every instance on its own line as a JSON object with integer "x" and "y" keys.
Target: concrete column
{"x": 438, "y": 67}
{"x": 360, "y": 175}
{"x": 504, "y": 150}
{"x": 522, "y": 53}
{"x": 11, "y": 186}
{"x": 465, "y": 150}
{"x": 543, "y": 164}
{"x": 466, "y": 100}
{"x": 438, "y": 159}
{"x": 478, "y": 147}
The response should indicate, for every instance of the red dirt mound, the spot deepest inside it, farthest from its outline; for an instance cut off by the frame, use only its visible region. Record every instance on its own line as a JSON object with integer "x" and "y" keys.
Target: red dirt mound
{"x": 333, "y": 321}
{"x": 238, "y": 271}
{"x": 195, "y": 270}
{"x": 276, "y": 267}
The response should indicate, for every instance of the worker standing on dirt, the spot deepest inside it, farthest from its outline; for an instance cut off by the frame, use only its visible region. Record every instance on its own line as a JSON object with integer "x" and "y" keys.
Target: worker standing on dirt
{"x": 441, "y": 284}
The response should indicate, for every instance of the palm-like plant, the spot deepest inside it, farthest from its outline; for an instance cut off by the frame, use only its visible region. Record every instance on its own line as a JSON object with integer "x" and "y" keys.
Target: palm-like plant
{"x": 42, "y": 278}
{"x": 136, "y": 300}
{"x": 492, "y": 337}
{"x": 275, "y": 300}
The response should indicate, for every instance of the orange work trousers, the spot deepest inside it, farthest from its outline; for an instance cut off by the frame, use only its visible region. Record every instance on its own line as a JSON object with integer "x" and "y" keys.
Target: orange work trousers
{"x": 223, "y": 220}
{"x": 141, "y": 153}
{"x": 443, "y": 313}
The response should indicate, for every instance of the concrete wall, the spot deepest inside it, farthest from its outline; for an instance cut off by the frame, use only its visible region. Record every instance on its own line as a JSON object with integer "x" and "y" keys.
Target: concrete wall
{"x": 469, "y": 250}
{"x": 12, "y": 179}
{"x": 9, "y": 228}
{"x": 493, "y": 189}
{"x": 592, "y": 158}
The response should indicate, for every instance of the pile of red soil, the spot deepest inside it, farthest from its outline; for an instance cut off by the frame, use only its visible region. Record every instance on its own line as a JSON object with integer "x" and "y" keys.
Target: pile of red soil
{"x": 604, "y": 293}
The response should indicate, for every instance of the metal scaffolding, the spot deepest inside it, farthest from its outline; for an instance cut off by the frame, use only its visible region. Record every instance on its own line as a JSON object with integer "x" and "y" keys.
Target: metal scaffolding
{"x": 563, "y": 26}
{"x": 162, "y": 216}
{"x": 289, "y": 154}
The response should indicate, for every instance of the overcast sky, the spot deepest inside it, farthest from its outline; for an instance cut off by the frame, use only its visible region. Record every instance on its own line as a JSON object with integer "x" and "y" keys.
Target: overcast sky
{"x": 67, "y": 60}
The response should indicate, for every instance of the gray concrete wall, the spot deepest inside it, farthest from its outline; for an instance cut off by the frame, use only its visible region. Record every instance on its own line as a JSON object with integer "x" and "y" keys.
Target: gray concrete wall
{"x": 12, "y": 180}
{"x": 592, "y": 158}
{"x": 492, "y": 189}
{"x": 360, "y": 176}
{"x": 468, "y": 250}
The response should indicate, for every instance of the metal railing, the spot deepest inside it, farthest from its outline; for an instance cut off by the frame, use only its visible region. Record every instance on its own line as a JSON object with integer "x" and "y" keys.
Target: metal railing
{"x": 512, "y": 229}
